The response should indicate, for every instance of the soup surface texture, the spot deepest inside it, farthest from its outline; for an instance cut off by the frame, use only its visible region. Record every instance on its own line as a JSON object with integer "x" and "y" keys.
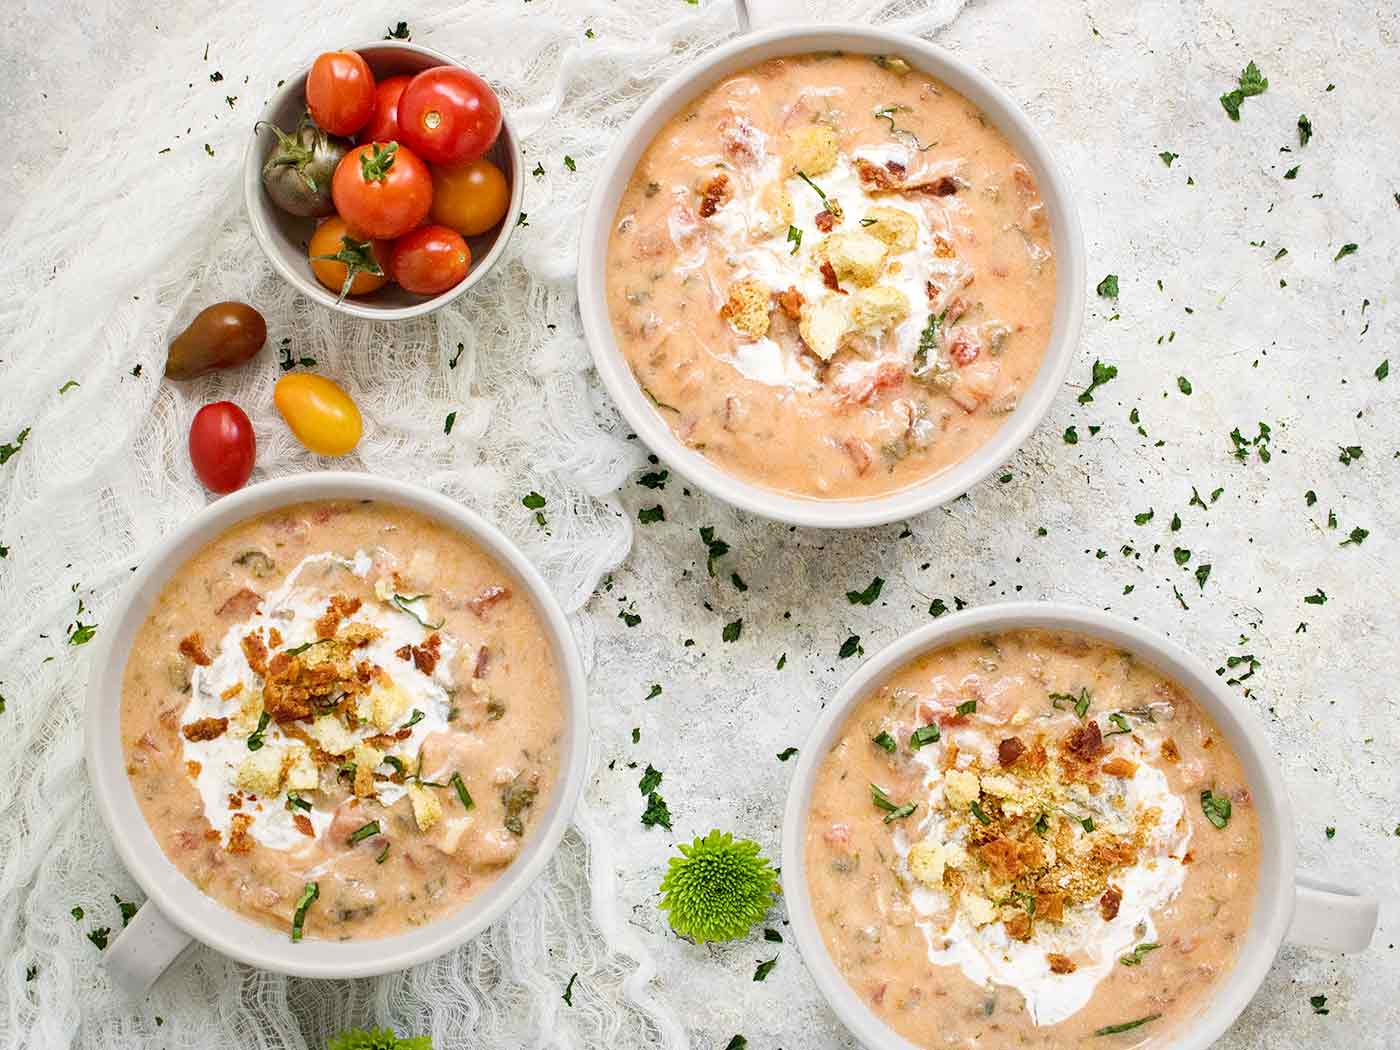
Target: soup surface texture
{"x": 832, "y": 275}
{"x": 340, "y": 717}
{"x": 1032, "y": 839}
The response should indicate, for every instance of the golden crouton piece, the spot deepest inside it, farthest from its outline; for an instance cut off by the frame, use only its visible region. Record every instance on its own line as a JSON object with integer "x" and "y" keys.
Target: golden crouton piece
{"x": 895, "y": 226}
{"x": 300, "y": 769}
{"x": 388, "y": 704}
{"x": 855, "y": 256}
{"x": 824, "y": 325}
{"x": 929, "y": 859}
{"x": 250, "y": 709}
{"x": 427, "y": 807}
{"x": 878, "y": 308}
{"x": 748, "y": 307}
{"x": 366, "y": 758}
{"x": 261, "y": 772}
{"x": 333, "y": 737}
{"x": 811, "y": 150}
{"x": 960, "y": 788}
{"x": 773, "y": 212}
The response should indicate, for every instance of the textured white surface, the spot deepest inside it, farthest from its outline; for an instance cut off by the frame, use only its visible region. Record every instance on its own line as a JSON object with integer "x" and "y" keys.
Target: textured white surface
{"x": 1111, "y": 86}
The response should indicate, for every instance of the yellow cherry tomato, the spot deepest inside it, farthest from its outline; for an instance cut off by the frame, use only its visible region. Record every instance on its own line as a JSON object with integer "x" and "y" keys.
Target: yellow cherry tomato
{"x": 320, "y": 413}
{"x": 470, "y": 198}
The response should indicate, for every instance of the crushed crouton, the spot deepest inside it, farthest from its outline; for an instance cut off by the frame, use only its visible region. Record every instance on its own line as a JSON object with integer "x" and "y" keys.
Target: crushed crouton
{"x": 205, "y": 729}
{"x": 250, "y": 708}
{"x": 748, "y": 307}
{"x": 239, "y": 841}
{"x": 878, "y": 308}
{"x": 261, "y": 772}
{"x": 895, "y": 226}
{"x": 824, "y": 325}
{"x": 300, "y": 769}
{"x": 333, "y": 737}
{"x": 960, "y": 787}
{"x": 427, "y": 807}
{"x": 192, "y": 646}
{"x": 978, "y": 909}
{"x": 366, "y": 758}
{"x": 811, "y": 150}
{"x": 1060, "y": 963}
{"x": 855, "y": 256}
{"x": 928, "y": 860}
{"x": 1120, "y": 767}
{"x": 1000, "y": 786}
{"x": 387, "y": 705}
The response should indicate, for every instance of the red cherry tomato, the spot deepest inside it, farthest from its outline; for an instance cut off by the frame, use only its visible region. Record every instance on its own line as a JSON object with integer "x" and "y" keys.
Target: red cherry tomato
{"x": 222, "y": 447}
{"x": 382, "y": 190}
{"x": 448, "y": 115}
{"x": 430, "y": 259}
{"x": 383, "y": 124}
{"x": 340, "y": 92}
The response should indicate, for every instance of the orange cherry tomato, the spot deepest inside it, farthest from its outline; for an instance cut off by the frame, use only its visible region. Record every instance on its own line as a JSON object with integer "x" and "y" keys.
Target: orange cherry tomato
{"x": 323, "y": 417}
{"x": 471, "y": 198}
{"x": 448, "y": 115}
{"x": 382, "y": 189}
{"x": 340, "y": 92}
{"x": 333, "y": 238}
{"x": 430, "y": 259}
{"x": 222, "y": 447}
{"x": 383, "y": 124}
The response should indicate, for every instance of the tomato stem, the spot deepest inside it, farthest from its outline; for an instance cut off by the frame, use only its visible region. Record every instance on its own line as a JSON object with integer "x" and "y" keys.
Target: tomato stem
{"x": 290, "y": 153}
{"x": 376, "y": 161}
{"x": 357, "y": 257}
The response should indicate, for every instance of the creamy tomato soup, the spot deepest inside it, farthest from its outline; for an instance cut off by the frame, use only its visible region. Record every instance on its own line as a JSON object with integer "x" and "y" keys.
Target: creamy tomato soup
{"x": 1032, "y": 839}
{"x": 832, "y": 275}
{"x": 340, "y": 718}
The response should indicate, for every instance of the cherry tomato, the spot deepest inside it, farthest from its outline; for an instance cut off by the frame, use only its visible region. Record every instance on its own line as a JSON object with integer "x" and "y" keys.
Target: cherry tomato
{"x": 340, "y": 92}
{"x": 470, "y": 198}
{"x": 448, "y": 115}
{"x": 382, "y": 190}
{"x": 383, "y": 124}
{"x": 222, "y": 447}
{"x": 430, "y": 259}
{"x": 320, "y": 413}
{"x": 333, "y": 238}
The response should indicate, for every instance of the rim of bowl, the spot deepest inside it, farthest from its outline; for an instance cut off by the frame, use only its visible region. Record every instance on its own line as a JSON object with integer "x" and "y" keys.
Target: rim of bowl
{"x": 259, "y": 207}
{"x": 939, "y": 488}
{"x": 215, "y": 924}
{"x": 1274, "y": 895}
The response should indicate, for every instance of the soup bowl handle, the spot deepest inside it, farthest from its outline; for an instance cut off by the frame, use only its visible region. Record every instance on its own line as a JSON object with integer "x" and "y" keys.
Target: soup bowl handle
{"x": 764, "y": 14}
{"x": 144, "y": 950}
{"x": 1331, "y": 917}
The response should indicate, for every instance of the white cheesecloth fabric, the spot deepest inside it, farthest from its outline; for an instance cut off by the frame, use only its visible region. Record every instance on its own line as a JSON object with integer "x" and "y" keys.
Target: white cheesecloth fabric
{"x": 138, "y": 228}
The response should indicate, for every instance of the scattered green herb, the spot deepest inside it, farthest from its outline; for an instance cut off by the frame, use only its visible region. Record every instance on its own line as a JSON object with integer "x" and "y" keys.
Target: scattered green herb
{"x": 929, "y": 734}
{"x": 884, "y": 741}
{"x": 363, "y": 832}
{"x": 308, "y": 896}
{"x": 1216, "y": 808}
{"x": 1135, "y": 957}
{"x": 867, "y": 596}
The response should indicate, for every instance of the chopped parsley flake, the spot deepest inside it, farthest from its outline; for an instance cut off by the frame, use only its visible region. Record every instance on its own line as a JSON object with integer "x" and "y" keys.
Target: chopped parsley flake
{"x": 1102, "y": 374}
{"x": 1108, "y": 287}
{"x": 732, "y": 630}
{"x": 1251, "y": 83}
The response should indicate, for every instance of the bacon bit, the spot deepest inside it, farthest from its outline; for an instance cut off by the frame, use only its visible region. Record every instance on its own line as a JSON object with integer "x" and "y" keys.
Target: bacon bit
{"x": 1086, "y": 742}
{"x": 1241, "y": 796}
{"x": 239, "y": 841}
{"x": 404, "y": 652}
{"x": 713, "y": 195}
{"x": 838, "y": 836}
{"x": 790, "y": 302}
{"x": 874, "y": 178}
{"x": 1120, "y": 767}
{"x": 1060, "y": 963}
{"x": 1018, "y": 926}
{"x": 192, "y": 646}
{"x": 425, "y": 659}
{"x": 1169, "y": 751}
{"x": 828, "y": 273}
{"x": 487, "y": 598}
{"x": 206, "y": 729}
{"x": 957, "y": 309}
{"x": 887, "y": 377}
{"x": 274, "y": 637}
{"x": 243, "y": 604}
{"x": 340, "y": 608}
{"x": 483, "y": 661}
{"x": 1190, "y": 857}
{"x": 963, "y": 348}
{"x": 1009, "y": 750}
{"x": 824, "y": 220}
{"x": 1109, "y": 902}
{"x": 896, "y": 168}
{"x": 1207, "y": 743}
{"x": 256, "y": 652}
{"x": 944, "y": 187}
{"x": 860, "y": 453}
{"x": 304, "y": 825}
{"x": 211, "y": 836}
{"x": 235, "y": 801}
{"x": 193, "y": 768}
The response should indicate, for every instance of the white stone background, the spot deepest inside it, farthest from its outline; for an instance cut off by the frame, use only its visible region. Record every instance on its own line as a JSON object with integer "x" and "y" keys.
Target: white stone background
{"x": 1111, "y": 85}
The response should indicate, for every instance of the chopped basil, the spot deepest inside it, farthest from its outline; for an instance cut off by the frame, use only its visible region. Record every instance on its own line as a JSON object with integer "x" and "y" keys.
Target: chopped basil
{"x": 772, "y": 935}
{"x": 656, "y": 812}
{"x": 295, "y": 801}
{"x": 732, "y": 630}
{"x": 977, "y": 811}
{"x": 568, "y": 995}
{"x": 655, "y": 691}
{"x": 403, "y": 601}
{"x": 382, "y": 854}
{"x": 794, "y": 237}
{"x": 1318, "y": 1004}
{"x": 929, "y": 734}
{"x": 1344, "y": 251}
{"x": 717, "y": 548}
{"x": 1087, "y": 824}
{"x": 891, "y": 809}
{"x": 1135, "y": 957}
{"x": 1122, "y": 723}
{"x": 1042, "y": 824}
{"x": 1128, "y": 1026}
{"x": 416, "y": 717}
{"x": 651, "y": 515}
{"x": 99, "y": 937}
{"x": 1304, "y": 129}
{"x": 363, "y": 832}
{"x": 463, "y": 796}
{"x": 308, "y": 896}
{"x": 850, "y": 647}
{"x": 803, "y": 176}
{"x": 1079, "y": 703}
{"x": 967, "y": 707}
{"x": 1216, "y": 808}
{"x": 255, "y": 741}
{"x": 1251, "y": 83}
{"x": 884, "y": 741}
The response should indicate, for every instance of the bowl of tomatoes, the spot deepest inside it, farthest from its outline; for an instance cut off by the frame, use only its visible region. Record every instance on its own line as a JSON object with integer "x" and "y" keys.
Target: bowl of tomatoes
{"x": 384, "y": 181}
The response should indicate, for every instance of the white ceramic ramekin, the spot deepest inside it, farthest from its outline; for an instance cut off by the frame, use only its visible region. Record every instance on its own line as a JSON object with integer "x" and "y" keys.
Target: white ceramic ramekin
{"x": 175, "y": 911}
{"x": 283, "y": 237}
{"x": 617, "y": 375}
{"x": 1288, "y": 907}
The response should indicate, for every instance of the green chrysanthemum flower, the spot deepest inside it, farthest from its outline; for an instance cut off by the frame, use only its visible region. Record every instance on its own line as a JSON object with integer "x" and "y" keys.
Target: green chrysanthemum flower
{"x": 718, "y": 889}
{"x": 382, "y": 1039}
